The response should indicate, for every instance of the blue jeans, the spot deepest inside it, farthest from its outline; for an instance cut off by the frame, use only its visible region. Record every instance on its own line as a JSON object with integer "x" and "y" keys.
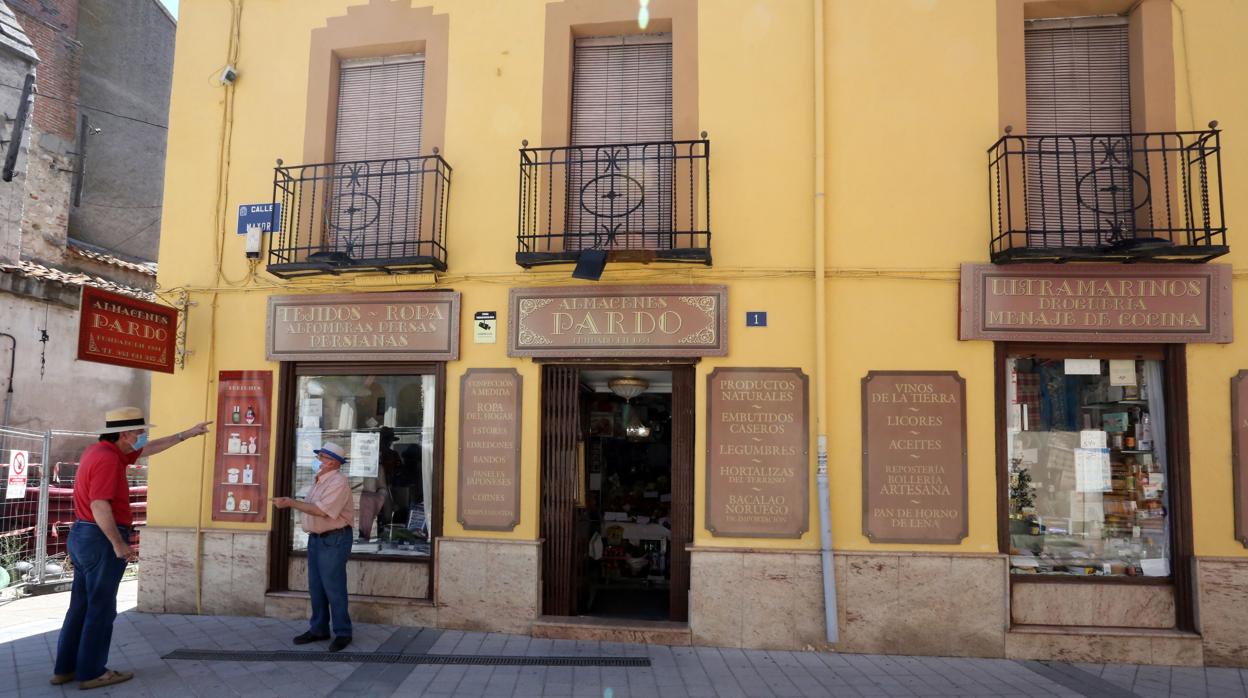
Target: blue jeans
{"x": 327, "y": 582}
{"x": 82, "y": 649}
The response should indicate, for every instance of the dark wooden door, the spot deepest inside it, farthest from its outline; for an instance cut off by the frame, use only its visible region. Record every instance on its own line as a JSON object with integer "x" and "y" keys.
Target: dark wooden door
{"x": 560, "y": 429}
{"x": 683, "y": 424}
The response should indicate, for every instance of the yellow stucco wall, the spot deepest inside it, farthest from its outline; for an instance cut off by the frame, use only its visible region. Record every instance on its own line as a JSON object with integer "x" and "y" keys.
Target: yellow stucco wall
{"x": 912, "y": 106}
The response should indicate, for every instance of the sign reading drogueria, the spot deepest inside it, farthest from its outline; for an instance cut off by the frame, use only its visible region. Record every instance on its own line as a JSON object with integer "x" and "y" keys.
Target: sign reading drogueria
{"x": 618, "y": 321}
{"x": 417, "y": 326}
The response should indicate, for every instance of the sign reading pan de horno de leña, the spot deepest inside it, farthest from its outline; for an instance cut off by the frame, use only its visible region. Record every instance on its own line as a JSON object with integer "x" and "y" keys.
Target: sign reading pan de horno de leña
{"x": 914, "y": 457}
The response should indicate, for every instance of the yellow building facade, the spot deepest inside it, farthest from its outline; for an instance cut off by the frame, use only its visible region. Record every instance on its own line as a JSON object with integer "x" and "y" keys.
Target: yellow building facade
{"x": 850, "y": 208}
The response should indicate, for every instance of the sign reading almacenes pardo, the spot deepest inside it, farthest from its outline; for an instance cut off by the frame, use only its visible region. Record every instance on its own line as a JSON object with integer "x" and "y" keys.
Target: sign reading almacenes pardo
{"x": 125, "y": 331}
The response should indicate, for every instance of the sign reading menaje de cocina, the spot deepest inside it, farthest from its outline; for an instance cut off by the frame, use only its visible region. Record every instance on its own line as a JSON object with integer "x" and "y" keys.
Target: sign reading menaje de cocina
{"x": 616, "y": 321}
{"x": 489, "y": 449}
{"x": 364, "y": 327}
{"x": 125, "y": 331}
{"x": 914, "y": 457}
{"x": 757, "y": 452}
{"x": 1176, "y": 303}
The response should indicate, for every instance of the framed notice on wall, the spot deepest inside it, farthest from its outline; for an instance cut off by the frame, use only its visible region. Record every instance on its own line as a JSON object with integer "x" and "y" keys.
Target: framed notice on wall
{"x": 240, "y": 477}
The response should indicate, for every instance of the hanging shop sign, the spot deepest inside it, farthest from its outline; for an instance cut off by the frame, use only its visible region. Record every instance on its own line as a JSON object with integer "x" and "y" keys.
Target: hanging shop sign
{"x": 1132, "y": 303}
{"x": 489, "y": 449}
{"x": 618, "y": 321}
{"x": 364, "y": 327}
{"x": 240, "y": 479}
{"x": 1239, "y": 453}
{"x": 757, "y": 452}
{"x": 914, "y": 457}
{"x": 124, "y": 331}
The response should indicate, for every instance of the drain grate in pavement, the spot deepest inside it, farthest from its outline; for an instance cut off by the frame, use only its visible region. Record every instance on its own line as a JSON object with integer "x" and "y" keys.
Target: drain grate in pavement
{"x": 398, "y": 658}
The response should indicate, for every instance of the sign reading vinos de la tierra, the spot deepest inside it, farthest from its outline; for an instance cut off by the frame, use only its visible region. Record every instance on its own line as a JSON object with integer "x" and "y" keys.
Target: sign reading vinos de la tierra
{"x": 420, "y": 326}
{"x": 616, "y": 321}
{"x": 757, "y": 452}
{"x": 914, "y": 457}
{"x": 489, "y": 449}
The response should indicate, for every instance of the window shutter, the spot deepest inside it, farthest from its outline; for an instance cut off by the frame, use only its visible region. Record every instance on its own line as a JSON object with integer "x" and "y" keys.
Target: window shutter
{"x": 380, "y": 108}
{"x": 622, "y": 90}
{"x": 1078, "y": 87}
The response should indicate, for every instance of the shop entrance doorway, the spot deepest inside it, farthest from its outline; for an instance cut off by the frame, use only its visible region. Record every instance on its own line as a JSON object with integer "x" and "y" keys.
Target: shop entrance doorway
{"x": 617, "y": 490}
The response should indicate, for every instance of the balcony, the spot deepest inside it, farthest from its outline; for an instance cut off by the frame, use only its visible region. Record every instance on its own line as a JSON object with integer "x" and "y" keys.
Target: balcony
{"x": 640, "y": 202}
{"x": 1129, "y": 197}
{"x": 366, "y": 215}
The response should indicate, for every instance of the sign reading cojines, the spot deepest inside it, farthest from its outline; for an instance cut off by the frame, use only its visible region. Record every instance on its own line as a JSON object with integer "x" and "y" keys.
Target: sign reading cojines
{"x": 489, "y": 449}
{"x": 1239, "y": 452}
{"x": 125, "y": 331}
{"x": 1136, "y": 303}
{"x": 420, "y": 326}
{"x": 757, "y": 453}
{"x": 615, "y": 321}
{"x": 914, "y": 457}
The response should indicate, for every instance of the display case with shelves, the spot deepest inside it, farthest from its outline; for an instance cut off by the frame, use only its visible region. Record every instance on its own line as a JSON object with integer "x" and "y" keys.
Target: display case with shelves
{"x": 241, "y": 469}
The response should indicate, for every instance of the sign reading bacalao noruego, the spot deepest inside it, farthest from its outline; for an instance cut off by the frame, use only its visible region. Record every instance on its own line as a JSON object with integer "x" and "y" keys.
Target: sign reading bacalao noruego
{"x": 618, "y": 321}
{"x": 420, "y": 326}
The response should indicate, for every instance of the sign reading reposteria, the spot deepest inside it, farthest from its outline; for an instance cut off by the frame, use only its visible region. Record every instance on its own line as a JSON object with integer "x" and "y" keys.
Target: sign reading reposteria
{"x": 419, "y": 326}
{"x": 1175, "y": 303}
{"x": 914, "y": 457}
{"x": 125, "y": 331}
{"x": 757, "y": 453}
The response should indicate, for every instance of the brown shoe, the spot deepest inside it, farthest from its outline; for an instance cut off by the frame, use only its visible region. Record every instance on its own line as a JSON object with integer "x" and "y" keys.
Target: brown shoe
{"x": 108, "y": 678}
{"x": 58, "y": 679}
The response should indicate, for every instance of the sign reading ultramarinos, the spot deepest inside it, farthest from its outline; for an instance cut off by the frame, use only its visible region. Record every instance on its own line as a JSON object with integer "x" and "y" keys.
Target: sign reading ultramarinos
{"x": 419, "y": 326}
{"x": 618, "y": 321}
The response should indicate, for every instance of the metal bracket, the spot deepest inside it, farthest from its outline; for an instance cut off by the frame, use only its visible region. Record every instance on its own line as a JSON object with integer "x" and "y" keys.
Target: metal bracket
{"x": 183, "y": 304}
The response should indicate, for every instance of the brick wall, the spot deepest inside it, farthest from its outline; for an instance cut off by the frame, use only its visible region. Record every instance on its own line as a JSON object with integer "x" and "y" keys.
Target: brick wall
{"x": 52, "y": 26}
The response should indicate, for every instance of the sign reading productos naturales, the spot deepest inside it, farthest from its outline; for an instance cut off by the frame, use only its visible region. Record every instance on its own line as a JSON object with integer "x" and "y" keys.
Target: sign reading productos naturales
{"x": 421, "y": 326}
{"x": 125, "y": 331}
{"x": 489, "y": 449}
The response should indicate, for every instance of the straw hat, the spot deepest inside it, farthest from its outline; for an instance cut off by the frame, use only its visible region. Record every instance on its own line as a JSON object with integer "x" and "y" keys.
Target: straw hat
{"x": 333, "y": 450}
{"x": 124, "y": 419}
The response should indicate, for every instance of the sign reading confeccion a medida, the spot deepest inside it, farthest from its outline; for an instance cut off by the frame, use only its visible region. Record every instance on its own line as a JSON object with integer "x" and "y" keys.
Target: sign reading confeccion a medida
{"x": 489, "y": 449}
{"x": 416, "y": 326}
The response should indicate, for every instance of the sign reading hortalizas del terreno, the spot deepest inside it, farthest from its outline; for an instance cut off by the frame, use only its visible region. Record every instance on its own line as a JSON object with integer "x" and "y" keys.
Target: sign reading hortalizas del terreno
{"x": 1176, "y": 303}
{"x": 618, "y": 321}
{"x": 419, "y": 326}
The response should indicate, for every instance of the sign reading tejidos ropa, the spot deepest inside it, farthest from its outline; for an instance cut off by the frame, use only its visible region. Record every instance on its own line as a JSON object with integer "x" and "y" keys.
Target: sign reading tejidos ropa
{"x": 419, "y": 326}
{"x": 914, "y": 457}
{"x": 124, "y": 331}
{"x": 618, "y": 321}
{"x": 489, "y": 449}
{"x": 757, "y": 452}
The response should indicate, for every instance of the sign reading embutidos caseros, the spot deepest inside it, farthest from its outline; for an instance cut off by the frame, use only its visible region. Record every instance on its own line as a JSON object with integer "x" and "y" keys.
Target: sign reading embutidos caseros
{"x": 757, "y": 452}
{"x": 489, "y": 449}
{"x": 914, "y": 457}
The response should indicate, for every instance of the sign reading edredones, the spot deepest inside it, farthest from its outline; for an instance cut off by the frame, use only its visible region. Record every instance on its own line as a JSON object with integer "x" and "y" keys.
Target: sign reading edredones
{"x": 1137, "y": 303}
{"x": 421, "y": 326}
{"x": 489, "y": 449}
{"x": 125, "y": 331}
{"x": 618, "y": 321}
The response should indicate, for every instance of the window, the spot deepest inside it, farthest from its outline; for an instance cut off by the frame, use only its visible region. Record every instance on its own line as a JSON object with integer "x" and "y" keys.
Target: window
{"x": 620, "y": 170}
{"x": 394, "y": 493}
{"x": 1089, "y": 477}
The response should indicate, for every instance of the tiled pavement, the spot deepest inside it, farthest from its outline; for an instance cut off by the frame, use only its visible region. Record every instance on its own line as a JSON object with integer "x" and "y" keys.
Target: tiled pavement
{"x": 28, "y": 630}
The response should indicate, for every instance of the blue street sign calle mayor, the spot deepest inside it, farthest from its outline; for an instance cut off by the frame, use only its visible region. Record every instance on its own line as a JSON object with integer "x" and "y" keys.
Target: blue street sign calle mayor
{"x": 262, "y": 215}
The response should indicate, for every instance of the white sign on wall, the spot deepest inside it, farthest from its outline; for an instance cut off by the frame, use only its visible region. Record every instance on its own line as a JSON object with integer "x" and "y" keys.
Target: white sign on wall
{"x": 17, "y": 475}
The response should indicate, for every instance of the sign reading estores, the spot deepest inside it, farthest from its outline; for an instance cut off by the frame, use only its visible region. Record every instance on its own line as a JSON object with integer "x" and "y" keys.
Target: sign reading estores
{"x": 125, "y": 331}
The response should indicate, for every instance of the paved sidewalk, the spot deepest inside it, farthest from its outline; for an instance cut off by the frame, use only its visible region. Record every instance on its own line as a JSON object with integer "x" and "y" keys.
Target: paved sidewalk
{"x": 29, "y": 627}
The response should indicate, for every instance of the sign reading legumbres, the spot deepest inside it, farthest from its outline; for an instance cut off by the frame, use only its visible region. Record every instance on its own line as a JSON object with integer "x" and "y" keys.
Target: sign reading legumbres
{"x": 757, "y": 453}
{"x": 489, "y": 449}
{"x": 914, "y": 457}
{"x": 1239, "y": 453}
{"x": 419, "y": 326}
{"x": 1133, "y": 303}
{"x": 125, "y": 331}
{"x": 615, "y": 321}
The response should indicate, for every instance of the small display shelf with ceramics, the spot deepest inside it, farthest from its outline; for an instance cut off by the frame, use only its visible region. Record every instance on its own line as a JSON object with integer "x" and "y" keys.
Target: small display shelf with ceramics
{"x": 240, "y": 473}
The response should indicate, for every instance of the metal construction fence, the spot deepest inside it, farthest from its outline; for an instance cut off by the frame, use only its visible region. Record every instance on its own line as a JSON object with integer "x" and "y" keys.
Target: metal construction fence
{"x": 34, "y": 525}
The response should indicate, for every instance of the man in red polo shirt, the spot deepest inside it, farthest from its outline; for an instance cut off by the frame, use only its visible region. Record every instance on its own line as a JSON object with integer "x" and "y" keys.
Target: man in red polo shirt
{"x": 99, "y": 545}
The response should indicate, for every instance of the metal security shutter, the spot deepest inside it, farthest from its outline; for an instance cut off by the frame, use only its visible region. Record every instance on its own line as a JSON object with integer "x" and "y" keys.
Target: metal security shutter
{"x": 621, "y": 96}
{"x": 1078, "y": 87}
{"x": 375, "y": 213}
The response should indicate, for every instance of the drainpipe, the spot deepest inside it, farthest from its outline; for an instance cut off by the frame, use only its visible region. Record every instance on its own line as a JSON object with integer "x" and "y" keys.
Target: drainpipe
{"x": 821, "y": 342}
{"x": 8, "y": 394}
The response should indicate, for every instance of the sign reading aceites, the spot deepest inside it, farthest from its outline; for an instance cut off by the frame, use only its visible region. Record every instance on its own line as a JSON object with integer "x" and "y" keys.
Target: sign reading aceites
{"x": 420, "y": 326}
{"x": 489, "y": 449}
{"x": 125, "y": 331}
{"x": 914, "y": 457}
{"x": 757, "y": 453}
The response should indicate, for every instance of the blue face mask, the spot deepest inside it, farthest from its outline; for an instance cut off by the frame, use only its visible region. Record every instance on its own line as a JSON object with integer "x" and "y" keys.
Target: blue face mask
{"x": 316, "y": 466}
{"x": 140, "y": 442}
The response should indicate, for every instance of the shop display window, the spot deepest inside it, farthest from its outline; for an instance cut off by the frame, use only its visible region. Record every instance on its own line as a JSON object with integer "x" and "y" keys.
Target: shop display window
{"x": 1088, "y": 476}
{"x": 386, "y": 424}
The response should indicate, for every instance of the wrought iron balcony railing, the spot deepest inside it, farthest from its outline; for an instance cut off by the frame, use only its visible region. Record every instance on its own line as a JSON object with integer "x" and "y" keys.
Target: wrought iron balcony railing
{"x": 362, "y": 215}
{"x": 638, "y": 201}
{"x": 1123, "y": 197}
